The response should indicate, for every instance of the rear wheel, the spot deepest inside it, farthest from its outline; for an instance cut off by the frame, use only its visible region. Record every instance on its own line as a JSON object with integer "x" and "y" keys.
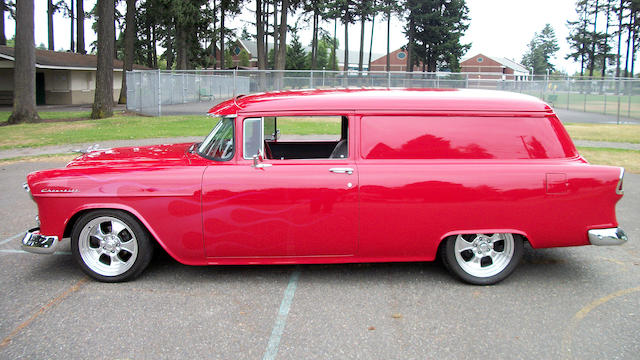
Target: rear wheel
{"x": 110, "y": 245}
{"x": 482, "y": 259}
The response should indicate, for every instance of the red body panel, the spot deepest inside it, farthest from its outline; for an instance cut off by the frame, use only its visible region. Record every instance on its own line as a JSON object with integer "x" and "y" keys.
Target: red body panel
{"x": 204, "y": 211}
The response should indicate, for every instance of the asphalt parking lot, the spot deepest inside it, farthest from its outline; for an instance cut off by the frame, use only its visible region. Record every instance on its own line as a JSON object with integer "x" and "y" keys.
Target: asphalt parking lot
{"x": 579, "y": 303}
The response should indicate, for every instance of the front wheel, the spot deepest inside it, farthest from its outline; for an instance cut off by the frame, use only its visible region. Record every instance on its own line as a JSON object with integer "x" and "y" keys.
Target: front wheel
{"x": 482, "y": 259}
{"x": 110, "y": 245}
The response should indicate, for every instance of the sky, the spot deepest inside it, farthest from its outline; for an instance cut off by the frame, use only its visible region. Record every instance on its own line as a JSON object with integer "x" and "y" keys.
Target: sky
{"x": 500, "y": 28}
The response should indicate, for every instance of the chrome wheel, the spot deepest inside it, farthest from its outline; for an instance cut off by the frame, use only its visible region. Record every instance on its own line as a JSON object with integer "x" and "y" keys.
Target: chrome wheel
{"x": 484, "y": 255}
{"x": 108, "y": 246}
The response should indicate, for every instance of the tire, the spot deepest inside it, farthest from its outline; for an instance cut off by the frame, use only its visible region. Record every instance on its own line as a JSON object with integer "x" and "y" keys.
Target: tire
{"x": 111, "y": 245}
{"x": 482, "y": 259}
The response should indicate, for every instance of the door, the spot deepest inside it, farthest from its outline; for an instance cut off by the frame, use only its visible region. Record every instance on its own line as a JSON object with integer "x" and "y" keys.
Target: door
{"x": 40, "y": 94}
{"x": 281, "y": 208}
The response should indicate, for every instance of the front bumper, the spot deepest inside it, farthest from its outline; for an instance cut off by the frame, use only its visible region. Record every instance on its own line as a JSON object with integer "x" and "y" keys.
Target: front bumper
{"x": 610, "y": 236}
{"x": 36, "y": 243}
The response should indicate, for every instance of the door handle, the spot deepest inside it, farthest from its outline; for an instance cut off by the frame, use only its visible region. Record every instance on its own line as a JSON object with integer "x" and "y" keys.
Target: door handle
{"x": 348, "y": 171}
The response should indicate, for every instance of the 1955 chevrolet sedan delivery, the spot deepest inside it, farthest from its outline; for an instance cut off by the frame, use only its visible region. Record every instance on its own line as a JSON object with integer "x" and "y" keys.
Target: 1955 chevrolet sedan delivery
{"x": 337, "y": 176}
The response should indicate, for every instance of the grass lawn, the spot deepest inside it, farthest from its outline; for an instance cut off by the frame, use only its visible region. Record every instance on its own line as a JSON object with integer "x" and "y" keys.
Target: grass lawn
{"x": 605, "y": 132}
{"x": 53, "y": 115}
{"x": 115, "y": 128}
{"x": 629, "y": 159}
{"x": 122, "y": 127}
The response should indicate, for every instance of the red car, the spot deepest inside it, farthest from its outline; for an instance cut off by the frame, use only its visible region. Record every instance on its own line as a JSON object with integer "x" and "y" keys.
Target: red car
{"x": 337, "y": 176}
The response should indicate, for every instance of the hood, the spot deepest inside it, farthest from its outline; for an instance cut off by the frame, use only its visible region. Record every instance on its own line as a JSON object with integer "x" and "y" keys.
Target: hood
{"x": 164, "y": 154}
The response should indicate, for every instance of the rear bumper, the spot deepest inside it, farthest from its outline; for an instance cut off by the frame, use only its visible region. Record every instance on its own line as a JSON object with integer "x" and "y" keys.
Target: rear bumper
{"x": 37, "y": 243}
{"x": 610, "y": 236}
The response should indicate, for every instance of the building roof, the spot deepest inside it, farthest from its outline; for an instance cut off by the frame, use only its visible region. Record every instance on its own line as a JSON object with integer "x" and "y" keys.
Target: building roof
{"x": 504, "y": 62}
{"x": 448, "y": 100}
{"x": 47, "y": 59}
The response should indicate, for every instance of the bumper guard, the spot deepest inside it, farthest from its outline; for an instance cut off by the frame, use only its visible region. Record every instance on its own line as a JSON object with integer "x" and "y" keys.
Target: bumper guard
{"x": 610, "y": 236}
{"x": 36, "y": 243}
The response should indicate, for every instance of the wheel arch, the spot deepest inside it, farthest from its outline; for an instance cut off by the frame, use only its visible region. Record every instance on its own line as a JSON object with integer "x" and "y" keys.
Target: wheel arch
{"x": 521, "y": 233}
{"x": 68, "y": 228}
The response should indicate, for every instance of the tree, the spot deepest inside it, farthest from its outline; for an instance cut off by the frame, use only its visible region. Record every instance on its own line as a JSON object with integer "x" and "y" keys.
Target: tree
{"x": 296, "y": 56}
{"x": 103, "y": 101}
{"x": 262, "y": 64}
{"x": 578, "y": 35}
{"x": 282, "y": 37}
{"x": 244, "y": 59}
{"x": 434, "y": 30}
{"x": 50, "y": 11}
{"x": 24, "y": 73}
{"x": 80, "y": 27}
{"x": 129, "y": 43}
{"x": 345, "y": 10}
{"x": 3, "y": 38}
{"x": 542, "y": 48}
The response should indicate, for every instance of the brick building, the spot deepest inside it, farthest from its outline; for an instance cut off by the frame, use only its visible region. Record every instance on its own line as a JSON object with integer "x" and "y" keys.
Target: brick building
{"x": 483, "y": 67}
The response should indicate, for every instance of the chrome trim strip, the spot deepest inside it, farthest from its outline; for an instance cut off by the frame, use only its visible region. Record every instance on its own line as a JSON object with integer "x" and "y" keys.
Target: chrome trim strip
{"x": 604, "y": 237}
{"x": 619, "y": 189}
{"x": 38, "y": 243}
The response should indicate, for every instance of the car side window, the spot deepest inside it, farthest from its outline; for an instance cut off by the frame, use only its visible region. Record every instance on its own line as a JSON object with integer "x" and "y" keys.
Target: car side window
{"x": 306, "y": 137}
{"x": 252, "y": 137}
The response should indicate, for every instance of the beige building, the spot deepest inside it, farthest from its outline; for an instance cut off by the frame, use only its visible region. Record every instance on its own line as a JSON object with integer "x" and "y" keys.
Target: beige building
{"x": 62, "y": 78}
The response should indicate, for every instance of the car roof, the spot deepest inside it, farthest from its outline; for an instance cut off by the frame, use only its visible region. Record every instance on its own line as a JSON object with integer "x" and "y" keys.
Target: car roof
{"x": 381, "y": 99}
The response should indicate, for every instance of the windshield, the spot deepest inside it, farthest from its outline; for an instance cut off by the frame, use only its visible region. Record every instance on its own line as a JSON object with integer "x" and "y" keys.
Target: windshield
{"x": 219, "y": 143}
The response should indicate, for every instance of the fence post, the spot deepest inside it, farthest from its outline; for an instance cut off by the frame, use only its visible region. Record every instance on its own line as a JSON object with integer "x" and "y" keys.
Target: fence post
{"x": 389, "y": 79}
{"x": 311, "y": 79}
{"x": 604, "y": 93}
{"x": 159, "y": 96}
{"x": 466, "y": 81}
{"x": 568, "y": 93}
{"x": 234, "y": 82}
{"x": 618, "y": 96}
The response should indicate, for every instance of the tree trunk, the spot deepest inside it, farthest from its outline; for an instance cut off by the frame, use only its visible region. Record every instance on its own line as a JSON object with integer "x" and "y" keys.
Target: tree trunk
{"x": 345, "y": 65}
{"x": 282, "y": 37}
{"x": 103, "y": 103}
{"x": 626, "y": 58}
{"x": 147, "y": 32}
{"x": 214, "y": 42}
{"x": 222, "y": 10}
{"x": 334, "y": 62}
{"x": 169, "y": 51}
{"x": 410, "y": 47}
{"x": 388, "y": 39}
{"x": 154, "y": 48}
{"x": 73, "y": 44}
{"x": 262, "y": 65}
{"x": 265, "y": 25}
{"x": 633, "y": 46}
{"x": 314, "y": 40}
{"x": 24, "y": 72}
{"x": 373, "y": 22}
{"x": 361, "y": 55}
{"x": 619, "y": 37}
{"x": 80, "y": 27}
{"x": 49, "y": 22}
{"x": 606, "y": 38}
{"x": 3, "y": 38}
{"x": 592, "y": 56}
{"x": 275, "y": 33}
{"x": 129, "y": 47}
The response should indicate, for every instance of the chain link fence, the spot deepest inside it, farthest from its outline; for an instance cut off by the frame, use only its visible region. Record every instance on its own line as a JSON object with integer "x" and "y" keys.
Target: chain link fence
{"x": 158, "y": 92}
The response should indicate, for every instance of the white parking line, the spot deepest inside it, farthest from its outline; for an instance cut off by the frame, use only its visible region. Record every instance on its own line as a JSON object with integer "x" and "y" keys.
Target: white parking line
{"x": 281, "y": 320}
{"x": 13, "y": 251}
{"x": 11, "y": 238}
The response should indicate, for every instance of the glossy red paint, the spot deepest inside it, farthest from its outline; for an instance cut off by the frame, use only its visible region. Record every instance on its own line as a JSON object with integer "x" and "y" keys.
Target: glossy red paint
{"x": 396, "y": 208}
